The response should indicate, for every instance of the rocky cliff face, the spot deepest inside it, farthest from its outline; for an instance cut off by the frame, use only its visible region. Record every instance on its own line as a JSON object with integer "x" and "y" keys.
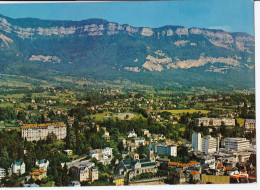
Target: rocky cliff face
{"x": 97, "y": 43}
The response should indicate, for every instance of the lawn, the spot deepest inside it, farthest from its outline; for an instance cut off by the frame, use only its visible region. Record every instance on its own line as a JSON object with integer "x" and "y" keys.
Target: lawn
{"x": 101, "y": 116}
{"x": 184, "y": 111}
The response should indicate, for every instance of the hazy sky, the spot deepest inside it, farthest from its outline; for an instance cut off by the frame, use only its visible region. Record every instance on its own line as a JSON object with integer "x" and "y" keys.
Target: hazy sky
{"x": 230, "y": 15}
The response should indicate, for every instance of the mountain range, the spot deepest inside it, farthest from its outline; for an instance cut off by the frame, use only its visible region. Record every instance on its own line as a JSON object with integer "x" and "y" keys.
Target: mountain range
{"x": 99, "y": 51}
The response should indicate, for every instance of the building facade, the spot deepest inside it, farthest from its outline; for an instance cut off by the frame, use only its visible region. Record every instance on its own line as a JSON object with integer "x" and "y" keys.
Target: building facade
{"x": 170, "y": 150}
{"x": 250, "y": 124}
{"x": 197, "y": 141}
{"x": 17, "y": 168}
{"x": 210, "y": 144}
{"x": 36, "y": 132}
{"x": 85, "y": 172}
{"x": 207, "y": 144}
{"x": 237, "y": 144}
{"x": 205, "y": 121}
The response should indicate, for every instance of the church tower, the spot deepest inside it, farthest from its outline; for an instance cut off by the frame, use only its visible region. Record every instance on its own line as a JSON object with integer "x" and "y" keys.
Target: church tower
{"x": 150, "y": 152}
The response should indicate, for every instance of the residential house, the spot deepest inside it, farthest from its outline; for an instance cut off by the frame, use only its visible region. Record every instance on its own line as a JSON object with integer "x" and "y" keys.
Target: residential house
{"x": 131, "y": 134}
{"x": 42, "y": 164}
{"x": 68, "y": 152}
{"x": 85, "y": 172}
{"x": 17, "y": 168}
{"x": 38, "y": 174}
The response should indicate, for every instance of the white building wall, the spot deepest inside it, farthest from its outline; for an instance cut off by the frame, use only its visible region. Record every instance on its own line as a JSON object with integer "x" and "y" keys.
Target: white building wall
{"x": 197, "y": 141}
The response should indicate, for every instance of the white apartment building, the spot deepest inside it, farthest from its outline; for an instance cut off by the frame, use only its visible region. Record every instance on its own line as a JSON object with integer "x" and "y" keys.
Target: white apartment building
{"x": 207, "y": 144}
{"x": 163, "y": 148}
{"x": 214, "y": 121}
{"x": 210, "y": 144}
{"x": 197, "y": 141}
{"x": 36, "y": 132}
{"x": 237, "y": 144}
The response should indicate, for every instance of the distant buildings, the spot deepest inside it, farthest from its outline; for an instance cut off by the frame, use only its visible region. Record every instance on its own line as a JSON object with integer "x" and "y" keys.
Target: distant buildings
{"x": 205, "y": 121}
{"x": 17, "y": 168}
{"x": 36, "y": 132}
{"x": 207, "y": 144}
{"x": 236, "y": 144}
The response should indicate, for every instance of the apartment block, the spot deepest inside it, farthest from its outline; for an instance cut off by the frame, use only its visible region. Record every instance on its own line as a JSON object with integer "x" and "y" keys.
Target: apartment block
{"x": 36, "y": 132}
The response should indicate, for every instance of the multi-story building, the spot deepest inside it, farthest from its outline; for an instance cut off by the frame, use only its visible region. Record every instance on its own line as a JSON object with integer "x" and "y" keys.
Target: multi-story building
{"x": 237, "y": 144}
{"x": 36, "y": 132}
{"x": 163, "y": 148}
{"x": 197, "y": 141}
{"x": 102, "y": 154}
{"x": 250, "y": 124}
{"x": 205, "y": 121}
{"x": 210, "y": 144}
{"x": 207, "y": 144}
{"x": 85, "y": 172}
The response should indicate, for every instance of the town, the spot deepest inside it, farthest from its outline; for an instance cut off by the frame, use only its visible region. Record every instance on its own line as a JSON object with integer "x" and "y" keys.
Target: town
{"x": 110, "y": 136}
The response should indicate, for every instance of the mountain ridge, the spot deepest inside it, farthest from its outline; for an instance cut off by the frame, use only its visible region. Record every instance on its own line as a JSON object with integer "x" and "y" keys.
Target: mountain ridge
{"x": 121, "y": 51}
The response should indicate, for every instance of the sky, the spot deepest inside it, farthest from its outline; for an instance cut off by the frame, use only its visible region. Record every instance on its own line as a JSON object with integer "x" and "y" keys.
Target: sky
{"x": 229, "y": 15}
